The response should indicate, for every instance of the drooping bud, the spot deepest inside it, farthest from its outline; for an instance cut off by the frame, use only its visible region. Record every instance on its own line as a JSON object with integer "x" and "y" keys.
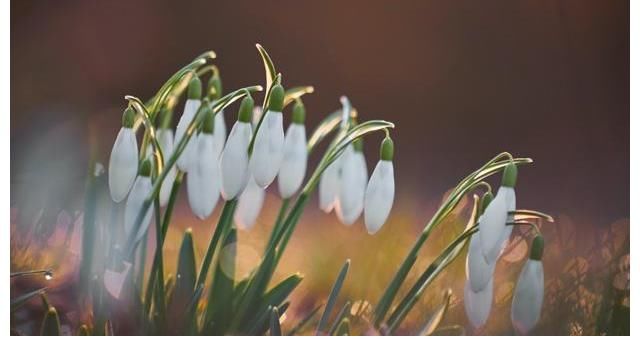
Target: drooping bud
{"x": 245, "y": 113}
{"x": 537, "y": 248}
{"x": 386, "y": 149}
{"x": 128, "y": 117}
{"x": 276, "y": 98}
{"x": 510, "y": 175}
{"x": 194, "y": 92}
{"x": 299, "y": 113}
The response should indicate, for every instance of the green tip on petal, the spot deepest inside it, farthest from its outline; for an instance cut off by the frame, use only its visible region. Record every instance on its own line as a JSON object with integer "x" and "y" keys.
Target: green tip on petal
{"x": 214, "y": 87}
{"x": 358, "y": 146}
{"x": 386, "y": 149}
{"x": 510, "y": 175}
{"x": 195, "y": 88}
{"x": 537, "y": 248}
{"x": 128, "y": 117}
{"x": 145, "y": 168}
{"x": 245, "y": 113}
{"x": 486, "y": 200}
{"x": 276, "y": 98}
{"x": 165, "y": 118}
{"x": 208, "y": 124}
{"x": 299, "y": 112}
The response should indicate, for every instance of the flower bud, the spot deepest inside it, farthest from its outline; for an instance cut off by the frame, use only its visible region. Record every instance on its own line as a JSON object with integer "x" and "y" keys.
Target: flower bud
{"x": 380, "y": 190}
{"x": 528, "y": 295}
{"x": 194, "y": 92}
{"x": 123, "y": 162}
{"x": 245, "y": 113}
{"x": 276, "y": 98}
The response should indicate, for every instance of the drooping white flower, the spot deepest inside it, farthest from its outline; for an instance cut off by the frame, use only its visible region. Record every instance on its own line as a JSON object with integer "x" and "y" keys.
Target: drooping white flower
{"x": 114, "y": 281}
{"x": 353, "y": 184}
{"x": 165, "y": 139}
{"x": 493, "y": 228}
{"x": 294, "y": 161}
{"x": 477, "y": 305}
{"x": 380, "y": 191}
{"x": 203, "y": 179}
{"x": 214, "y": 92}
{"x": 234, "y": 160}
{"x": 123, "y": 162}
{"x": 133, "y": 207}
{"x": 191, "y": 107}
{"x": 249, "y": 205}
{"x": 529, "y": 292}
{"x": 329, "y": 186}
{"x": 220, "y": 133}
{"x": 479, "y": 272}
{"x": 268, "y": 146}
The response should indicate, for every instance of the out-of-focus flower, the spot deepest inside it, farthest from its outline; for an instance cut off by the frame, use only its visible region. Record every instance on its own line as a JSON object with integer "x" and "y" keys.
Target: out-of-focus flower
{"x": 191, "y": 107}
{"x": 479, "y": 271}
{"x": 234, "y": 160}
{"x": 268, "y": 147}
{"x": 529, "y": 292}
{"x": 249, "y": 205}
{"x": 123, "y": 162}
{"x": 140, "y": 191}
{"x": 478, "y": 304}
{"x": 165, "y": 140}
{"x": 114, "y": 281}
{"x": 380, "y": 191}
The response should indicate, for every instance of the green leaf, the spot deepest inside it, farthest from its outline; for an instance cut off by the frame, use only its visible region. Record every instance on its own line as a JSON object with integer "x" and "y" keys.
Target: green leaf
{"x": 17, "y": 302}
{"x": 274, "y": 322}
{"x": 290, "y": 95}
{"x": 339, "y": 318}
{"x": 50, "y": 323}
{"x": 302, "y": 323}
{"x": 333, "y": 297}
{"x": 343, "y": 328}
{"x": 185, "y": 276}
{"x": 432, "y": 324}
{"x": 220, "y": 306}
{"x": 269, "y": 68}
{"x": 278, "y": 294}
{"x": 326, "y": 126}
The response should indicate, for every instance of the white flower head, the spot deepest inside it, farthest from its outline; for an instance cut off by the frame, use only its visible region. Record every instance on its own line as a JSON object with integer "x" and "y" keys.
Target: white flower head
{"x": 234, "y": 160}
{"x": 529, "y": 293}
{"x": 214, "y": 92}
{"x": 294, "y": 161}
{"x": 380, "y": 191}
{"x": 477, "y": 305}
{"x": 493, "y": 228}
{"x": 249, "y": 205}
{"x": 203, "y": 179}
{"x": 191, "y": 107}
{"x": 329, "y": 186}
{"x": 478, "y": 271}
{"x": 268, "y": 146}
{"x": 135, "y": 202}
{"x": 353, "y": 184}
{"x": 123, "y": 162}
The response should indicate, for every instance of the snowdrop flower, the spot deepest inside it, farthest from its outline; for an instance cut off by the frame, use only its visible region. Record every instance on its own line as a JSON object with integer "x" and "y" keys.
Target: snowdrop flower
{"x": 478, "y": 270}
{"x": 529, "y": 292}
{"x": 329, "y": 186}
{"x": 294, "y": 161}
{"x": 493, "y": 228}
{"x": 477, "y": 305}
{"x": 353, "y": 184}
{"x": 249, "y": 205}
{"x": 123, "y": 162}
{"x": 234, "y": 159}
{"x": 191, "y": 107}
{"x": 114, "y": 281}
{"x": 165, "y": 139}
{"x": 378, "y": 197}
{"x": 140, "y": 191}
{"x": 214, "y": 88}
{"x": 268, "y": 146}
{"x": 203, "y": 179}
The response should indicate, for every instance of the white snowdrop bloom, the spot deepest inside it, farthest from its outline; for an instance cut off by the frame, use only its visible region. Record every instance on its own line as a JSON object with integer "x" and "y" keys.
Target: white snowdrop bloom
{"x": 123, "y": 162}
{"x": 214, "y": 92}
{"x": 165, "y": 140}
{"x": 493, "y": 225}
{"x": 249, "y": 205}
{"x": 477, "y": 305}
{"x": 203, "y": 179}
{"x": 191, "y": 107}
{"x": 114, "y": 281}
{"x": 380, "y": 191}
{"x": 529, "y": 293}
{"x": 220, "y": 132}
{"x": 268, "y": 146}
{"x": 479, "y": 272}
{"x": 329, "y": 186}
{"x": 141, "y": 190}
{"x": 294, "y": 161}
{"x": 234, "y": 160}
{"x": 353, "y": 184}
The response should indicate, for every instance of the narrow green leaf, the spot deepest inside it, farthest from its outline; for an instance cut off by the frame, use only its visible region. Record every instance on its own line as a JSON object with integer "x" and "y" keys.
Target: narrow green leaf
{"x": 17, "y": 302}
{"x": 302, "y": 323}
{"x": 333, "y": 297}
{"x": 50, "y": 323}
{"x": 220, "y": 305}
{"x": 277, "y": 295}
{"x": 269, "y": 67}
{"x": 185, "y": 281}
{"x": 343, "y": 328}
{"x": 341, "y": 315}
{"x": 326, "y": 126}
{"x": 290, "y": 95}
{"x": 432, "y": 324}
{"x": 274, "y": 322}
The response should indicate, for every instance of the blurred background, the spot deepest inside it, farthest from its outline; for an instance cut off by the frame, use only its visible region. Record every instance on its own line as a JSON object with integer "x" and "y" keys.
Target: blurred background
{"x": 462, "y": 80}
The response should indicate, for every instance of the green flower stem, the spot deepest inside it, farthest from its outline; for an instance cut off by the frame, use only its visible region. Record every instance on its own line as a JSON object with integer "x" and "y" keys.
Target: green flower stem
{"x": 28, "y": 273}
{"x": 222, "y": 229}
{"x": 491, "y": 167}
{"x": 180, "y": 147}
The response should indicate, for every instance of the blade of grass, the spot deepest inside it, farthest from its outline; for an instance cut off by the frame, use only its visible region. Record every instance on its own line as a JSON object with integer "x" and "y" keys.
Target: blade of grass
{"x": 274, "y": 322}
{"x": 333, "y": 297}
{"x": 434, "y": 321}
{"x": 341, "y": 315}
{"x": 302, "y": 323}
{"x": 17, "y": 302}
{"x": 220, "y": 306}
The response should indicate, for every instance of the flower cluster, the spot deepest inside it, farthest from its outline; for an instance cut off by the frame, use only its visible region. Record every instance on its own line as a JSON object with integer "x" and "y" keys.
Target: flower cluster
{"x": 495, "y": 224}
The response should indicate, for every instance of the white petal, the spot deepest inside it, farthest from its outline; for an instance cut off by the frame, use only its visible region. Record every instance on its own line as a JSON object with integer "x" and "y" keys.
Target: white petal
{"x": 203, "y": 185}
{"x": 378, "y": 198}
{"x": 493, "y": 223}
{"x": 249, "y": 206}
{"x": 190, "y": 109}
{"x": 220, "y": 128}
{"x": 352, "y": 187}
{"x": 294, "y": 161}
{"x": 329, "y": 186}
{"x": 268, "y": 149}
{"x": 479, "y": 272}
{"x": 140, "y": 191}
{"x": 123, "y": 164}
{"x": 234, "y": 161}
{"x": 478, "y": 304}
{"x": 510, "y": 197}
{"x": 114, "y": 281}
{"x": 528, "y": 297}
{"x": 165, "y": 139}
